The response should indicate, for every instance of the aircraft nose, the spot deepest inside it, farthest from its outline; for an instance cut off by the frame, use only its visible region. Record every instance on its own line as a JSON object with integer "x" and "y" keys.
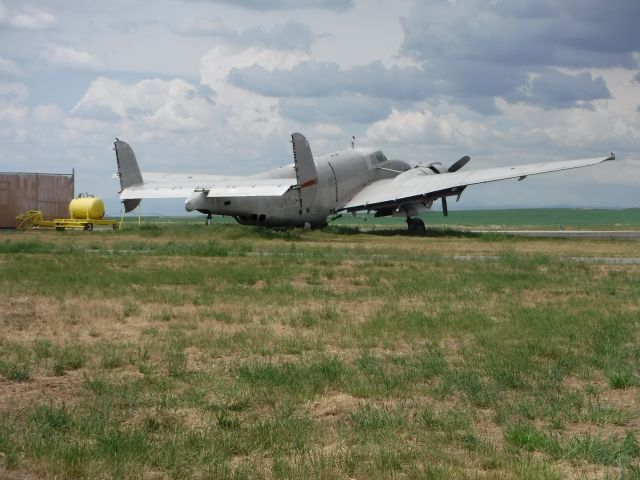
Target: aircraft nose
{"x": 195, "y": 201}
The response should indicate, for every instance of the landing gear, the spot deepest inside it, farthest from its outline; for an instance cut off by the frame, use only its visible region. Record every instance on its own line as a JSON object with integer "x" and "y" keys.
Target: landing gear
{"x": 416, "y": 226}
{"x": 208, "y": 221}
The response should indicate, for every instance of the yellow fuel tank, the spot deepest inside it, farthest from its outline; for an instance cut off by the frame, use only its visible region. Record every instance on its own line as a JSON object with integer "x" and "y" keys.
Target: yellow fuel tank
{"x": 86, "y": 208}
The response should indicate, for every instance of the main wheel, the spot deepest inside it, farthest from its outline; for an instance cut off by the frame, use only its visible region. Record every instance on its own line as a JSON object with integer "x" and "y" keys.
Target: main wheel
{"x": 416, "y": 226}
{"x": 88, "y": 227}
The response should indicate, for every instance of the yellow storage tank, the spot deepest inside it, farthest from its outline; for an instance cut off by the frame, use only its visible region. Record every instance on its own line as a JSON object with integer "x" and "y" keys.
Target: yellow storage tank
{"x": 86, "y": 208}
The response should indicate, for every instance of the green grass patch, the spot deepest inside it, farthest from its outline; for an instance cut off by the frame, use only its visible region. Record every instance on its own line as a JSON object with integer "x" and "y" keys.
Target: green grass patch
{"x": 174, "y": 350}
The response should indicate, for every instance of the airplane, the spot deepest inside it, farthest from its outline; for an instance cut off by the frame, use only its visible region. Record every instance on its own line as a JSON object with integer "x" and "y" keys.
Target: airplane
{"x": 312, "y": 191}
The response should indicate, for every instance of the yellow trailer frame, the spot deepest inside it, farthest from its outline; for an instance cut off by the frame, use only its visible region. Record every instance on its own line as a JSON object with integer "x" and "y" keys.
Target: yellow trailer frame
{"x": 34, "y": 219}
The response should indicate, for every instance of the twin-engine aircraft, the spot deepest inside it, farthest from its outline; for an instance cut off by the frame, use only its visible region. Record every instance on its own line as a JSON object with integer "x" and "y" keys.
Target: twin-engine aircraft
{"x": 311, "y": 191}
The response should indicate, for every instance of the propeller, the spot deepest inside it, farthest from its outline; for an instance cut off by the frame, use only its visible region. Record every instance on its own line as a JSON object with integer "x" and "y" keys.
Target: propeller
{"x": 459, "y": 164}
{"x": 453, "y": 168}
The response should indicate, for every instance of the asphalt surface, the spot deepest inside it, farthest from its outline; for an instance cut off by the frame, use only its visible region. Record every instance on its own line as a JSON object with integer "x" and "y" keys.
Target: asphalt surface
{"x": 621, "y": 234}
{"x": 602, "y": 260}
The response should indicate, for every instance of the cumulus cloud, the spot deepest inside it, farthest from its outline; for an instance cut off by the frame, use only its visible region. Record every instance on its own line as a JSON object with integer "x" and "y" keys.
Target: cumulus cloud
{"x": 68, "y": 57}
{"x": 9, "y": 68}
{"x": 474, "y": 84}
{"x": 476, "y": 50}
{"x": 14, "y": 91}
{"x": 575, "y": 33}
{"x": 48, "y": 113}
{"x": 578, "y": 132}
{"x": 337, "y": 109}
{"x": 553, "y": 89}
{"x": 320, "y": 79}
{"x": 288, "y": 36}
{"x": 29, "y": 18}
{"x": 338, "y": 5}
{"x": 173, "y": 105}
{"x": 12, "y": 113}
{"x": 423, "y": 126}
{"x": 220, "y": 60}
{"x": 213, "y": 26}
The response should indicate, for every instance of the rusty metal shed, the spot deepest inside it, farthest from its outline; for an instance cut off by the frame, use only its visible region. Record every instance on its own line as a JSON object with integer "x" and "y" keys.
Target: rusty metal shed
{"x": 48, "y": 192}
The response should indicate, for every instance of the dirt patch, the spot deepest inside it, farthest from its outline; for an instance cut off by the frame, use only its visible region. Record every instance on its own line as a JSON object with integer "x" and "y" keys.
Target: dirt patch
{"x": 452, "y": 347}
{"x": 581, "y": 471}
{"x": 16, "y": 474}
{"x": 64, "y": 389}
{"x": 196, "y": 360}
{"x": 486, "y": 428}
{"x": 333, "y": 406}
{"x": 604, "y": 431}
{"x": 577, "y": 383}
{"x": 628, "y": 398}
{"x": 154, "y": 418}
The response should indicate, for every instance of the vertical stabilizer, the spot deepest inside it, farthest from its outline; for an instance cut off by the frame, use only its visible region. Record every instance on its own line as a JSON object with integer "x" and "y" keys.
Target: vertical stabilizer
{"x": 128, "y": 171}
{"x": 306, "y": 174}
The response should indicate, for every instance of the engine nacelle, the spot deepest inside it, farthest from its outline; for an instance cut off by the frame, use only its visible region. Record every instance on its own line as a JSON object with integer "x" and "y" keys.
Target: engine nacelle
{"x": 197, "y": 201}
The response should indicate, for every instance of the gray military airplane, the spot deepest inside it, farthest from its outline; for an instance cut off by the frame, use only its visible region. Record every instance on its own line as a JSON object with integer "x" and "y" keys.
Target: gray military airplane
{"x": 311, "y": 190}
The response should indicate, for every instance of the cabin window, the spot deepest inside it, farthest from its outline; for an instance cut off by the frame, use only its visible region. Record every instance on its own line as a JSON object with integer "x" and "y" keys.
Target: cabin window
{"x": 380, "y": 158}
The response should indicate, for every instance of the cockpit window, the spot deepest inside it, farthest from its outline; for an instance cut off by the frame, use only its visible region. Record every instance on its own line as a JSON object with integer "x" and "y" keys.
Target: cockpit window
{"x": 380, "y": 158}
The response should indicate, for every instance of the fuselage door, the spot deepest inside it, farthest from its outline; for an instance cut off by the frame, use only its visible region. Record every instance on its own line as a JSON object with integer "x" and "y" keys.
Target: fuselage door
{"x": 333, "y": 181}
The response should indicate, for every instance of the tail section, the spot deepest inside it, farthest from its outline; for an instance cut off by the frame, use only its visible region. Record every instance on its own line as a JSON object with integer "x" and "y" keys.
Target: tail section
{"x": 306, "y": 174}
{"x": 128, "y": 171}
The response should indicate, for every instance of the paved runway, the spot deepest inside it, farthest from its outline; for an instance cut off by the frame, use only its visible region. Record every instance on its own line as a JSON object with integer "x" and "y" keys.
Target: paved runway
{"x": 604, "y": 260}
{"x": 622, "y": 234}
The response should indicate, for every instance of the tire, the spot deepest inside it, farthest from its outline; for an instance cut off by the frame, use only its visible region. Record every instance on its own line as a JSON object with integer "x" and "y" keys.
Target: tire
{"x": 416, "y": 226}
{"x": 88, "y": 227}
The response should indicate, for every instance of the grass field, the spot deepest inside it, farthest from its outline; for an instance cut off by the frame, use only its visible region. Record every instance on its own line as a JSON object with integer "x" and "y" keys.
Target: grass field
{"x": 179, "y": 351}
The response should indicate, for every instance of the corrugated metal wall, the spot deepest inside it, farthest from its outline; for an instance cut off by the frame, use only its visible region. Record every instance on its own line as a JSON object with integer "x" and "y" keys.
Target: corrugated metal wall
{"x": 20, "y": 192}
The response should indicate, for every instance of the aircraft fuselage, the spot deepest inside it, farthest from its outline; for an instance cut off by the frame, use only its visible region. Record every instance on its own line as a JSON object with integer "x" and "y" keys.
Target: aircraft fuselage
{"x": 339, "y": 176}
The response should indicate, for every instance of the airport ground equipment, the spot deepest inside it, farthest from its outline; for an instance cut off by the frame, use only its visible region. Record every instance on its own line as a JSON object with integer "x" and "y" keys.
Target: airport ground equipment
{"x": 85, "y": 211}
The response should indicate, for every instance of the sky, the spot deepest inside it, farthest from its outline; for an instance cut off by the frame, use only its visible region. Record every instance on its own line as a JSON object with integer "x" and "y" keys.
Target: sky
{"x": 218, "y": 86}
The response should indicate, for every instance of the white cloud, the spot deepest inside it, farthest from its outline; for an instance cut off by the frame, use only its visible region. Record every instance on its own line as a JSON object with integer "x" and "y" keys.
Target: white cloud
{"x": 338, "y": 5}
{"x": 49, "y": 113}
{"x": 247, "y": 112}
{"x": 423, "y": 126}
{"x": 213, "y": 26}
{"x": 29, "y": 18}
{"x": 16, "y": 92}
{"x": 68, "y": 57}
{"x": 173, "y": 105}
{"x": 219, "y": 61}
{"x": 13, "y": 114}
{"x": 10, "y": 68}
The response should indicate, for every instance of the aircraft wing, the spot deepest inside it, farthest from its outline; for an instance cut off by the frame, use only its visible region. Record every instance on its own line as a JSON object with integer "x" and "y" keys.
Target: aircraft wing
{"x": 173, "y": 185}
{"x": 420, "y": 184}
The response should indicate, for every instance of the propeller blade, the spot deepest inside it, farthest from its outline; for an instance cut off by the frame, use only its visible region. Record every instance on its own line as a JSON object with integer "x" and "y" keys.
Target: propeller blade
{"x": 445, "y": 210}
{"x": 459, "y": 164}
